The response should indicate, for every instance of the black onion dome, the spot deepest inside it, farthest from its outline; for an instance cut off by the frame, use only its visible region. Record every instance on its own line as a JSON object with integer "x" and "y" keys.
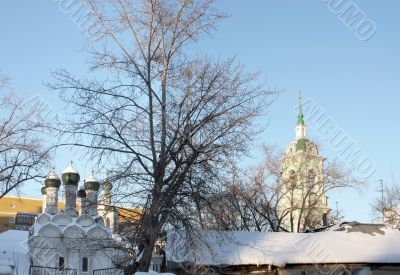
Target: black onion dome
{"x": 81, "y": 193}
{"x": 70, "y": 176}
{"x": 92, "y": 183}
{"x": 52, "y": 180}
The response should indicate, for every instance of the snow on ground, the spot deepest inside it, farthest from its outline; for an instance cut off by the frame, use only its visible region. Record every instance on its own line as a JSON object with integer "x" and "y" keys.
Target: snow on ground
{"x": 14, "y": 251}
{"x": 346, "y": 244}
{"x": 6, "y": 269}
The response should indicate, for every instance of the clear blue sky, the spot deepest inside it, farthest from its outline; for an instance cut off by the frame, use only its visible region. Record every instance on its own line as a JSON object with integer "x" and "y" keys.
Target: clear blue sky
{"x": 297, "y": 45}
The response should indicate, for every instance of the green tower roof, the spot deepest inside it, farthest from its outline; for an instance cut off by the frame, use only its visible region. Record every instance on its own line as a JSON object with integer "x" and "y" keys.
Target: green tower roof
{"x": 300, "y": 117}
{"x": 301, "y": 144}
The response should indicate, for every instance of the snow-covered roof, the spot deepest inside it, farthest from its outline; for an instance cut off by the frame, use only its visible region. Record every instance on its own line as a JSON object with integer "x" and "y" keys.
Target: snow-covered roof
{"x": 53, "y": 175}
{"x": 62, "y": 223}
{"x": 91, "y": 178}
{"x": 349, "y": 243}
{"x": 70, "y": 169}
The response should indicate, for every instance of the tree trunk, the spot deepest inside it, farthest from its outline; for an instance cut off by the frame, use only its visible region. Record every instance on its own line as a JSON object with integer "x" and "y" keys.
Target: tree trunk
{"x": 151, "y": 234}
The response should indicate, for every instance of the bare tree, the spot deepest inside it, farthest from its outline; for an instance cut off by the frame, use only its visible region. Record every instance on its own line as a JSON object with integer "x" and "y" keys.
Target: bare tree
{"x": 168, "y": 124}
{"x": 386, "y": 208}
{"x": 262, "y": 199}
{"x": 4, "y": 80}
{"x": 22, "y": 153}
{"x": 230, "y": 207}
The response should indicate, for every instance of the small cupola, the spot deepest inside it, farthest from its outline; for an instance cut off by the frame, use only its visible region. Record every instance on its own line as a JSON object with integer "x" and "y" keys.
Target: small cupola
{"x": 92, "y": 186}
{"x": 82, "y": 195}
{"x": 81, "y": 192}
{"x": 50, "y": 197}
{"x": 107, "y": 186}
{"x": 43, "y": 190}
{"x": 52, "y": 180}
{"x": 106, "y": 199}
{"x": 92, "y": 183}
{"x": 70, "y": 176}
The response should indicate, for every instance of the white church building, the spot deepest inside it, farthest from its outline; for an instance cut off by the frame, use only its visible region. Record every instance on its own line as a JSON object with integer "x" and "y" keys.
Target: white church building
{"x": 68, "y": 241}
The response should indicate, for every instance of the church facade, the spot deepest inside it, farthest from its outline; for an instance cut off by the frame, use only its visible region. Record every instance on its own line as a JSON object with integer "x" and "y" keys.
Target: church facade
{"x": 304, "y": 204}
{"x": 69, "y": 239}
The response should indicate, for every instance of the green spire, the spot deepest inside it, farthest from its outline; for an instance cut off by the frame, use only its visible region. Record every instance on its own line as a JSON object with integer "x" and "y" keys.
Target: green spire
{"x": 300, "y": 117}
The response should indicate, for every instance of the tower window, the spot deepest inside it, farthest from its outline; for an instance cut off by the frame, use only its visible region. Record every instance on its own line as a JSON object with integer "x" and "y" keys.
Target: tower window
{"x": 311, "y": 178}
{"x": 108, "y": 223}
{"x": 312, "y": 199}
{"x": 292, "y": 179}
{"x": 61, "y": 263}
{"x": 85, "y": 264}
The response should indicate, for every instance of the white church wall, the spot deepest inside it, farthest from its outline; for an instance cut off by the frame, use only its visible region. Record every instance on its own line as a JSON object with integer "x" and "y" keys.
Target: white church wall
{"x": 66, "y": 237}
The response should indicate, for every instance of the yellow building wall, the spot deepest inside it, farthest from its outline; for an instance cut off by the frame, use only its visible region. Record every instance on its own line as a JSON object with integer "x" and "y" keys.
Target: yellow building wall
{"x": 129, "y": 215}
{"x": 11, "y": 205}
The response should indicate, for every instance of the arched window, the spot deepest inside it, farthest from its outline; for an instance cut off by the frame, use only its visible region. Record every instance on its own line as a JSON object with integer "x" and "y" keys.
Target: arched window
{"x": 292, "y": 178}
{"x": 312, "y": 198}
{"x": 85, "y": 264}
{"x": 311, "y": 178}
{"x": 108, "y": 222}
{"x": 61, "y": 263}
